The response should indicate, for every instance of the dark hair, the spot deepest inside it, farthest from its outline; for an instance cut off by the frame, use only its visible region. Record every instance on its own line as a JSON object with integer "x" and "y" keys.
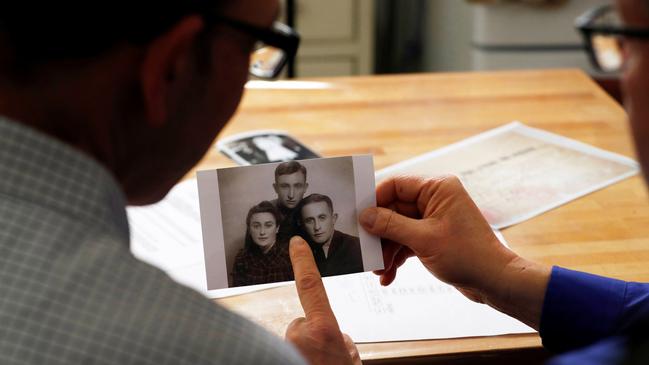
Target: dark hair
{"x": 315, "y": 198}
{"x": 290, "y": 167}
{"x": 34, "y": 34}
{"x": 263, "y": 207}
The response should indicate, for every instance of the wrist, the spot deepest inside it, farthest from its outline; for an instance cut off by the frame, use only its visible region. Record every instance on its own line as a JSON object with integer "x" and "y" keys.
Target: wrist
{"x": 519, "y": 290}
{"x": 494, "y": 279}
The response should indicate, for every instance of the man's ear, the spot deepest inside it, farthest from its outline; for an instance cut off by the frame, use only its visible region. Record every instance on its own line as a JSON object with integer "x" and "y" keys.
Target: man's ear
{"x": 334, "y": 217}
{"x": 275, "y": 188}
{"x": 306, "y": 186}
{"x": 166, "y": 61}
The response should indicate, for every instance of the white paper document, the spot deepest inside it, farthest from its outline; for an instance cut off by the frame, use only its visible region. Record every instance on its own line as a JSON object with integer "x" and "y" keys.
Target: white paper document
{"x": 168, "y": 236}
{"x": 415, "y": 307}
{"x": 516, "y": 172}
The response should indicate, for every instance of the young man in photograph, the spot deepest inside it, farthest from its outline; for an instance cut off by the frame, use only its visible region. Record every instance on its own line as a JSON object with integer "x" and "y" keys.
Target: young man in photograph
{"x": 290, "y": 185}
{"x": 335, "y": 252}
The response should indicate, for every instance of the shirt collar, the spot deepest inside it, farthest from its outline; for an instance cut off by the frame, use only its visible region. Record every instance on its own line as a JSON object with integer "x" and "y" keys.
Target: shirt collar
{"x": 45, "y": 172}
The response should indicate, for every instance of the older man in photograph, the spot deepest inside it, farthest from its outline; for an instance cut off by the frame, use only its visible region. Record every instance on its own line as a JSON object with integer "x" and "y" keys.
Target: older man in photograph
{"x": 290, "y": 185}
{"x": 335, "y": 252}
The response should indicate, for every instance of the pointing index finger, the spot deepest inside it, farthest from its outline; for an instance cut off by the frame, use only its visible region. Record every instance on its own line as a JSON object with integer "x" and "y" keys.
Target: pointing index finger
{"x": 309, "y": 283}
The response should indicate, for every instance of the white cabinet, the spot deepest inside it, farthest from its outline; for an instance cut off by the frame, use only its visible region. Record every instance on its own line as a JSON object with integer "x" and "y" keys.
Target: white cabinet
{"x": 518, "y": 35}
{"x": 337, "y": 37}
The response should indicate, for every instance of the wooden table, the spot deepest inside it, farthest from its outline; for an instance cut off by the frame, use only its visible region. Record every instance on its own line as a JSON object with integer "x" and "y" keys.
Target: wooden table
{"x": 398, "y": 117}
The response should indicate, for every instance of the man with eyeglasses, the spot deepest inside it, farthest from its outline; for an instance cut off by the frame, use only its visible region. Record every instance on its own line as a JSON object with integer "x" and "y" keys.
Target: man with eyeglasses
{"x": 589, "y": 319}
{"x": 108, "y": 103}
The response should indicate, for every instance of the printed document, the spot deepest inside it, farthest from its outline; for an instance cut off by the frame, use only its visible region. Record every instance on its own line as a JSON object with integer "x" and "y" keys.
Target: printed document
{"x": 516, "y": 172}
{"x": 416, "y": 306}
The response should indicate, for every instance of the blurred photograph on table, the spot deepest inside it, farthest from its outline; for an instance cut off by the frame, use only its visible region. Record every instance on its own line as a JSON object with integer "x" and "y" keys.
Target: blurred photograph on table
{"x": 259, "y": 147}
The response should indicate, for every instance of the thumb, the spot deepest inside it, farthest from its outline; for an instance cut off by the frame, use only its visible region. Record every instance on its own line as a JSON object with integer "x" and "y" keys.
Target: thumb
{"x": 416, "y": 234}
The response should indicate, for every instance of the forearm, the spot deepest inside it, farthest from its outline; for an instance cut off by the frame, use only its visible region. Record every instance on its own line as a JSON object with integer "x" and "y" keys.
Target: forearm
{"x": 519, "y": 290}
{"x": 576, "y": 308}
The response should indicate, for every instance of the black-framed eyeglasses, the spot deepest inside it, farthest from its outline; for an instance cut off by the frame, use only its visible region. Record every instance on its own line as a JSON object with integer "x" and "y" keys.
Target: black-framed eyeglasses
{"x": 274, "y": 48}
{"x": 604, "y": 33}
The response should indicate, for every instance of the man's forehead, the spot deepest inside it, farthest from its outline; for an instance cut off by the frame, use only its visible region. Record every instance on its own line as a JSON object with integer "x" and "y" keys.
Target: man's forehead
{"x": 316, "y": 208}
{"x": 295, "y": 176}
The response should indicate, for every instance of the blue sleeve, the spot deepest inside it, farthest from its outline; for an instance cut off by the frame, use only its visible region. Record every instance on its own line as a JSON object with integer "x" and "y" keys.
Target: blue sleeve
{"x": 611, "y": 351}
{"x": 580, "y": 309}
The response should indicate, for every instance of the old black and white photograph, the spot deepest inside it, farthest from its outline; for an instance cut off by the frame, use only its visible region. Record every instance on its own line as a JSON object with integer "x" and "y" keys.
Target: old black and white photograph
{"x": 249, "y": 214}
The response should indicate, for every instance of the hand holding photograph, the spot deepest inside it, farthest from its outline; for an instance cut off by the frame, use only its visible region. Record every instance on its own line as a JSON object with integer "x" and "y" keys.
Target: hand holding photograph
{"x": 249, "y": 214}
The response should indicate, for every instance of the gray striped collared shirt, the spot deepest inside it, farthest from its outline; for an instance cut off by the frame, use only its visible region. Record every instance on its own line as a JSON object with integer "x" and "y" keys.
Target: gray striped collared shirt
{"x": 70, "y": 290}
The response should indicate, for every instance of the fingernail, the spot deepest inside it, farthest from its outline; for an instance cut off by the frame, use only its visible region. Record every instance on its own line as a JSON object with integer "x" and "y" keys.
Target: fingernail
{"x": 368, "y": 217}
{"x": 297, "y": 240}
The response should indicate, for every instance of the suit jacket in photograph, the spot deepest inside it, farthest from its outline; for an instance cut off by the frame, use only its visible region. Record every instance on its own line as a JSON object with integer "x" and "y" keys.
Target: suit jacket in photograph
{"x": 344, "y": 256}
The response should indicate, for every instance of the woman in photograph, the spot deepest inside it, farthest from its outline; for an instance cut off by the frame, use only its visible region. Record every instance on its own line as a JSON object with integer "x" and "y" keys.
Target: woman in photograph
{"x": 264, "y": 258}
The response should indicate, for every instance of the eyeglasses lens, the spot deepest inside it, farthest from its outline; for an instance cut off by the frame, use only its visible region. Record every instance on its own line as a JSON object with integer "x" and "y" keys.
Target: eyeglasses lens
{"x": 608, "y": 48}
{"x": 266, "y": 60}
{"x": 608, "y": 52}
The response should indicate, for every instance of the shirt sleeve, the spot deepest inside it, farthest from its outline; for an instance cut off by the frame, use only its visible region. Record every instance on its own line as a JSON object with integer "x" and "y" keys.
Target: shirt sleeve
{"x": 580, "y": 309}
{"x": 611, "y": 351}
